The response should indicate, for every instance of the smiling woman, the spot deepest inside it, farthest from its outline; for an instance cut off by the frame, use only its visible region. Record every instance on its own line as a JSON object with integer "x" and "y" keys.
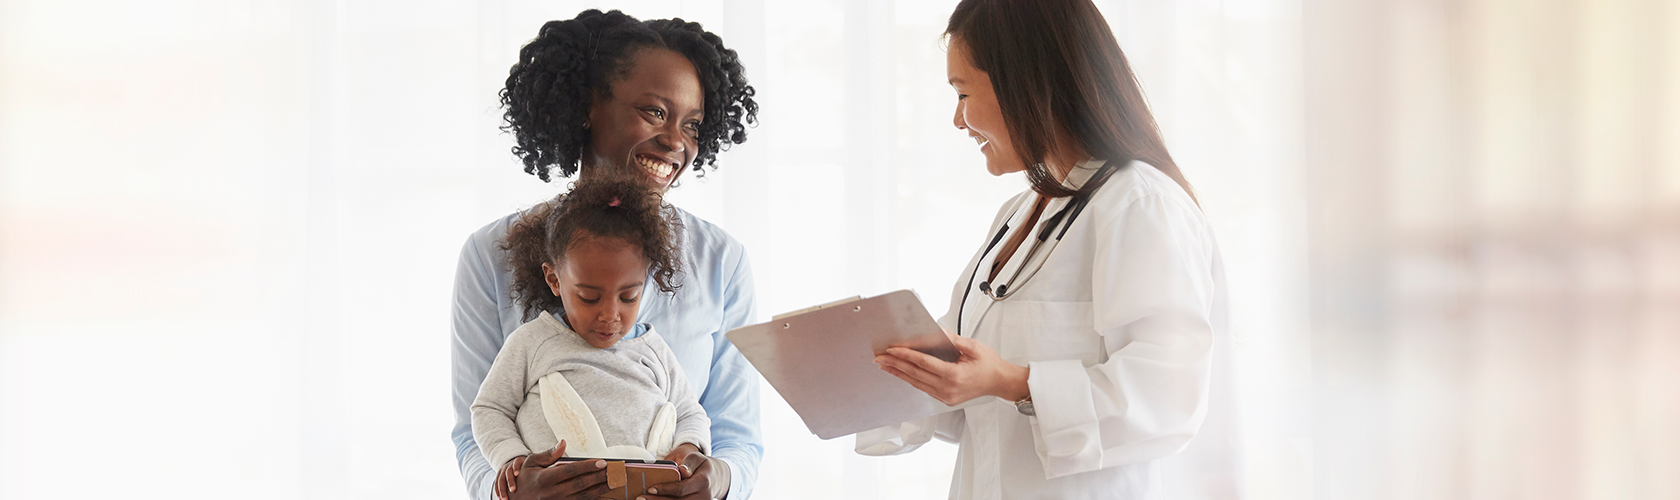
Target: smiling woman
{"x": 656, "y": 112}
{"x": 606, "y": 96}
{"x": 589, "y": 89}
{"x": 1098, "y": 361}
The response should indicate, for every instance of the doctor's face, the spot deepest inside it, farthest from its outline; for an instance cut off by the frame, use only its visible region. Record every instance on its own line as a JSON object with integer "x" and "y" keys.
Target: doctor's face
{"x": 977, "y": 111}
{"x": 649, "y": 128}
{"x": 599, "y": 283}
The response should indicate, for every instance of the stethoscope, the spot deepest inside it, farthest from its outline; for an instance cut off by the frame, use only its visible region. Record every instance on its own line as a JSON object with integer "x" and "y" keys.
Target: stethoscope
{"x": 1070, "y": 211}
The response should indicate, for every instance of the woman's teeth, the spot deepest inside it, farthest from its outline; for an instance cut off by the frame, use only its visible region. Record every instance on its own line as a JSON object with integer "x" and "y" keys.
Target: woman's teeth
{"x": 655, "y": 167}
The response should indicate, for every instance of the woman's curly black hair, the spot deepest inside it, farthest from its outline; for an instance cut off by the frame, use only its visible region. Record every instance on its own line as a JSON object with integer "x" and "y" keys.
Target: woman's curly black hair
{"x": 550, "y": 90}
{"x": 613, "y": 208}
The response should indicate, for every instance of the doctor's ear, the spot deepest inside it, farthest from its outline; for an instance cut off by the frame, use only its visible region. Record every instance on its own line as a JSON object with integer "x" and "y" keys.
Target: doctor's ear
{"x": 551, "y": 276}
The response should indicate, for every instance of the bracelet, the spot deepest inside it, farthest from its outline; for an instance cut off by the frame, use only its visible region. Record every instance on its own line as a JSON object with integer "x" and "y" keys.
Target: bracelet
{"x": 1025, "y": 406}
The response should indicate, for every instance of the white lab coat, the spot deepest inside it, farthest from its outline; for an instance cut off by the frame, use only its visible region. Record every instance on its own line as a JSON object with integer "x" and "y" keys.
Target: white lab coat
{"x": 1124, "y": 331}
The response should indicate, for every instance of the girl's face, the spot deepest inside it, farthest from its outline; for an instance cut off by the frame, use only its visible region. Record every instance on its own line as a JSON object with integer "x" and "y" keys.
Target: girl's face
{"x": 600, "y": 286}
{"x": 650, "y": 127}
{"x": 977, "y": 111}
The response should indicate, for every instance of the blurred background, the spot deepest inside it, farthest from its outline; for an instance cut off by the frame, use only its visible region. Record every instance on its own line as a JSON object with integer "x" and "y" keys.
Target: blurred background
{"x": 228, "y": 231}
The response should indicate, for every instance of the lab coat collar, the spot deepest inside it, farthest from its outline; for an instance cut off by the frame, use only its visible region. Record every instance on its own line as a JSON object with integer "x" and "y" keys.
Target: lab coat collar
{"x": 1082, "y": 172}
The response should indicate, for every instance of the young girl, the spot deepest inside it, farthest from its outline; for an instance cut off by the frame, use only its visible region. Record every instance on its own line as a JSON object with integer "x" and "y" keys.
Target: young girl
{"x": 583, "y": 371}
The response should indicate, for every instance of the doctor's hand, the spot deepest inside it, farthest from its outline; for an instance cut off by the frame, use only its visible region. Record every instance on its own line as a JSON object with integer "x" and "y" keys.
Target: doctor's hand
{"x": 979, "y": 371}
{"x": 531, "y": 477}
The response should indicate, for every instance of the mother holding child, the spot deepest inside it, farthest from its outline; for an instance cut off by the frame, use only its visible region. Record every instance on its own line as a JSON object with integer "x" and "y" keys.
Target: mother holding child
{"x": 1089, "y": 321}
{"x": 608, "y": 97}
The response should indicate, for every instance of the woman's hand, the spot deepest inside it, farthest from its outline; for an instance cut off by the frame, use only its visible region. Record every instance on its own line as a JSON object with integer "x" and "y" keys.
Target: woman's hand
{"x": 979, "y": 371}
{"x": 698, "y": 476}
{"x": 531, "y": 477}
{"x": 688, "y": 458}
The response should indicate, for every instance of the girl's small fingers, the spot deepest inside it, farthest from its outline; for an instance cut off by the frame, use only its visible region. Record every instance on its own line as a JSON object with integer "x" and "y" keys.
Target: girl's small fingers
{"x": 509, "y": 473}
{"x": 504, "y": 486}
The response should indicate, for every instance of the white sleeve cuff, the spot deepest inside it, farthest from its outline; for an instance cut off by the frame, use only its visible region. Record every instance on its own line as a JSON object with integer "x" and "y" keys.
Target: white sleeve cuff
{"x": 896, "y": 439}
{"x": 504, "y": 451}
{"x": 1065, "y": 429}
{"x": 699, "y": 440}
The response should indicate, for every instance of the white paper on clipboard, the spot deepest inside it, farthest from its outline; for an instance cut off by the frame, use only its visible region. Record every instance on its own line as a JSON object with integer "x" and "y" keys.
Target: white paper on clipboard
{"x": 822, "y": 361}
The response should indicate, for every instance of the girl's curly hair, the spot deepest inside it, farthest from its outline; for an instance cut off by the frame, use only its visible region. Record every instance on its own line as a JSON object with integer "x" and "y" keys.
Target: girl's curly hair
{"x": 550, "y": 90}
{"x": 620, "y": 209}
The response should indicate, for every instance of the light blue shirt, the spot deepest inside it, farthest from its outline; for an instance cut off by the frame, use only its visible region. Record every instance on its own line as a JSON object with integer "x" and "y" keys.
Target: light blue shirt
{"x": 716, "y": 296}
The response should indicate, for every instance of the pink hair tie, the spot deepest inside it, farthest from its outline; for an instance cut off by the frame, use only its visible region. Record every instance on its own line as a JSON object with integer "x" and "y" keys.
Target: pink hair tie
{"x": 614, "y": 202}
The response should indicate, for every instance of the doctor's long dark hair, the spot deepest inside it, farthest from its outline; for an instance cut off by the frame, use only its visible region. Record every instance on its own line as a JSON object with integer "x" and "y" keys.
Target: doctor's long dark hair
{"x": 1057, "y": 69}
{"x": 606, "y": 207}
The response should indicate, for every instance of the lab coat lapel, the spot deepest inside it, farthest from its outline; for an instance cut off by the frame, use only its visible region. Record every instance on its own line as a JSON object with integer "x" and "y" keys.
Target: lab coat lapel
{"x": 1018, "y": 267}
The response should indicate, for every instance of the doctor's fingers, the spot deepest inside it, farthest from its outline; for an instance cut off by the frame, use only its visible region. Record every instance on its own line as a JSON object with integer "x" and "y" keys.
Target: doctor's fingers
{"x": 921, "y": 360}
{"x": 955, "y": 382}
{"x": 931, "y": 389}
{"x": 906, "y": 369}
{"x": 950, "y": 388}
{"x": 970, "y": 348}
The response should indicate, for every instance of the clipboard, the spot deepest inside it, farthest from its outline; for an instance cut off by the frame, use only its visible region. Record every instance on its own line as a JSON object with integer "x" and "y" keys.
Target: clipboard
{"x": 822, "y": 361}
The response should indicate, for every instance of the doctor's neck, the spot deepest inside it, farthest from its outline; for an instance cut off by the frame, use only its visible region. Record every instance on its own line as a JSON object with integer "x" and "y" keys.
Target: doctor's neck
{"x": 1065, "y": 153}
{"x": 1064, "y": 157}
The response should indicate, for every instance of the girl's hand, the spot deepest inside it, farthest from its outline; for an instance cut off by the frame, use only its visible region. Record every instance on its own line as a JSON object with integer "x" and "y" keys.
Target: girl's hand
{"x": 505, "y": 477}
{"x": 979, "y": 371}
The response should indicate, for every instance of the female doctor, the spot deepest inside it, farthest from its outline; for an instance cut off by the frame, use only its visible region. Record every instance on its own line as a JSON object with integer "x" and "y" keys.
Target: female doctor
{"x": 1090, "y": 322}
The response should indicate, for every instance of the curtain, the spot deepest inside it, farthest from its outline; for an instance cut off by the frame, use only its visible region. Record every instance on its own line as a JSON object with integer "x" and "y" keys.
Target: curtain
{"x": 1495, "y": 190}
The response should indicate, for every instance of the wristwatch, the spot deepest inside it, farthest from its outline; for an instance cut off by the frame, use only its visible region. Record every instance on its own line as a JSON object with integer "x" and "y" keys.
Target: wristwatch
{"x": 1025, "y": 406}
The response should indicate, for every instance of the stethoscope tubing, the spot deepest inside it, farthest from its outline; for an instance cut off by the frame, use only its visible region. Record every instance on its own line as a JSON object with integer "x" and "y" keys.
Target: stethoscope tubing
{"x": 1072, "y": 210}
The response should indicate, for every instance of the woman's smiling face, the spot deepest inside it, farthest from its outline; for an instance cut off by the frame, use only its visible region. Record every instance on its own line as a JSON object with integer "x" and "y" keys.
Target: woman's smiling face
{"x": 978, "y": 112}
{"x": 649, "y": 128}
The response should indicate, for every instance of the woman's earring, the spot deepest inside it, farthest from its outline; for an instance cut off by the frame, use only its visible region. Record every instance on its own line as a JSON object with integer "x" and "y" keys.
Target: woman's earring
{"x": 586, "y": 124}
